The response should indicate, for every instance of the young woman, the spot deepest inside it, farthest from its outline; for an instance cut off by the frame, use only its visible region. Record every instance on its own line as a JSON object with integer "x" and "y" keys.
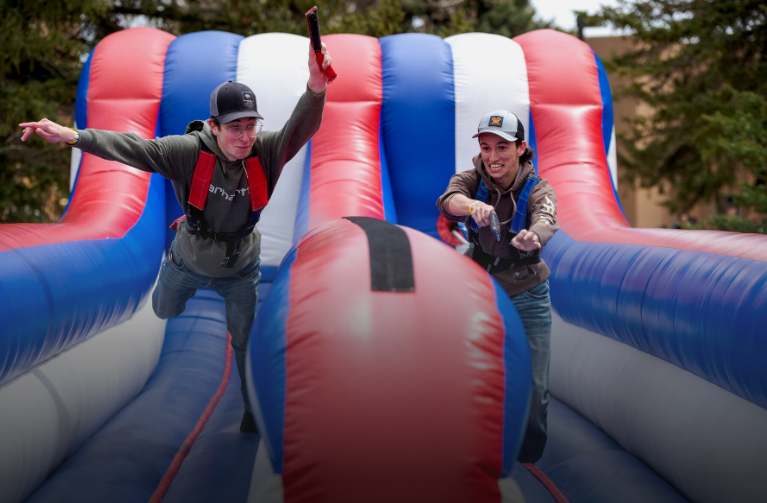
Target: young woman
{"x": 503, "y": 181}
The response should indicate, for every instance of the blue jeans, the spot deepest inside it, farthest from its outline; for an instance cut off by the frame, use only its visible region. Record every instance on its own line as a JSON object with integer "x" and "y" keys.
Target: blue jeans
{"x": 178, "y": 284}
{"x": 534, "y": 308}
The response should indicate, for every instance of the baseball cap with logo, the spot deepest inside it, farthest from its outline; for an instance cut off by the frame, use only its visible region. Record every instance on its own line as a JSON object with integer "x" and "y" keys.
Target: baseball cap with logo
{"x": 502, "y": 123}
{"x": 231, "y": 101}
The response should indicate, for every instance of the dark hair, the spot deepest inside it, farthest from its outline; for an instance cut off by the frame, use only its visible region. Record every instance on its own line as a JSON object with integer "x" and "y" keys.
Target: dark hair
{"x": 215, "y": 122}
{"x": 527, "y": 156}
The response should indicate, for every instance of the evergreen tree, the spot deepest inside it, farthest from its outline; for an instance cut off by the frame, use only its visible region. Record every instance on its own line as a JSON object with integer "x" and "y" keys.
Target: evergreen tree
{"x": 42, "y": 43}
{"x": 508, "y": 18}
{"x": 700, "y": 66}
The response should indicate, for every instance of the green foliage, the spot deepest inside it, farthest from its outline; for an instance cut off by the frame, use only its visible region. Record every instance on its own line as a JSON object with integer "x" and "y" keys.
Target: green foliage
{"x": 507, "y": 18}
{"x": 44, "y": 43}
{"x": 39, "y": 66}
{"x": 386, "y": 19}
{"x": 700, "y": 66}
{"x": 742, "y": 143}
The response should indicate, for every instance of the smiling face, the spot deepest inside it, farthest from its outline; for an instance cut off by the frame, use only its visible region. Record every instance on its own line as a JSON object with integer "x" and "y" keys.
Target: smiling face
{"x": 231, "y": 146}
{"x": 501, "y": 158}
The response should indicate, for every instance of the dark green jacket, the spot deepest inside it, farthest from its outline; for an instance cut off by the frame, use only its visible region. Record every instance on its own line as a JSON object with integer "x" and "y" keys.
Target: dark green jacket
{"x": 228, "y": 205}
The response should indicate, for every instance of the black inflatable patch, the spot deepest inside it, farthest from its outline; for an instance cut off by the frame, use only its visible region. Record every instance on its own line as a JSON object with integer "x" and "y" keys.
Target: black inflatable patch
{"x": 391, "y": 260}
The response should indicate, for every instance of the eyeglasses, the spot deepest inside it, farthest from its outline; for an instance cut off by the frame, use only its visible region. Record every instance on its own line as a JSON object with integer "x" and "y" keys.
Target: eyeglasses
{"x": 236, "y": 132}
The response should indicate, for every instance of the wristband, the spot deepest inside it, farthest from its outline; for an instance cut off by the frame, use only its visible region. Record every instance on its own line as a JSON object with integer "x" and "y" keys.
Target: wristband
{"x": 472, "y": 204}
{"x": 77, "y": 137}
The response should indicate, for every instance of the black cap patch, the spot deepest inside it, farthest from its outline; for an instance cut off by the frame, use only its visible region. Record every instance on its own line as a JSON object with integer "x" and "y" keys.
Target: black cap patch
{"x": 248, "y": 99}
{"x": 496, "y": 120}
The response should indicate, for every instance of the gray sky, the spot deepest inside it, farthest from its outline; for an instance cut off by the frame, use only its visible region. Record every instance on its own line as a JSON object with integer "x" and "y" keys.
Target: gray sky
{"x": 561, "y": 11}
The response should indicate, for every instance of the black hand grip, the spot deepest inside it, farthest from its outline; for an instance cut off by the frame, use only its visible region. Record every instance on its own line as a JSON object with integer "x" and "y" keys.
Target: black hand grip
{"x": 313, "y": 21}
{"x": 495, "y": 225}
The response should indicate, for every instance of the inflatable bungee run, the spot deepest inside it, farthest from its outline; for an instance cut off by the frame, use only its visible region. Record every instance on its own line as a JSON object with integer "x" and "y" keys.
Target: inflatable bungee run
{"x": 383, "y": 366}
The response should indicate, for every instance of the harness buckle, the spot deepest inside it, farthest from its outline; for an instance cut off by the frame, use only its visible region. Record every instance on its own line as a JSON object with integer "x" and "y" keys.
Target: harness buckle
{"x": 230, "y": 260}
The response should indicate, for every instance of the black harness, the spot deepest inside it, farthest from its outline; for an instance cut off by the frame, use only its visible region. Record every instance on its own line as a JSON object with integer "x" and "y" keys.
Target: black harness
{"x": 491, "y": 263}
{"x": 198, "y": 194}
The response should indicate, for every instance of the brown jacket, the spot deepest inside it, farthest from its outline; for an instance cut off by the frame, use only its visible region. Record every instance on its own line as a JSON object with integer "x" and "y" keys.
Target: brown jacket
{"x": 541, "y": 219}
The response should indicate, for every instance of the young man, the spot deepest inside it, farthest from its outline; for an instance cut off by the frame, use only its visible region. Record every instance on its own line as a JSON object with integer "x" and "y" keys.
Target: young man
{"x": 216, "y": 244}
{"x": 503, "y": 181}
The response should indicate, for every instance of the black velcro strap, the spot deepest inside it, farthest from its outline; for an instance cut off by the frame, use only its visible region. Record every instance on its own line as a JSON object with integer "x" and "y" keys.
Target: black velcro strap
{"x": 391, "y": 260}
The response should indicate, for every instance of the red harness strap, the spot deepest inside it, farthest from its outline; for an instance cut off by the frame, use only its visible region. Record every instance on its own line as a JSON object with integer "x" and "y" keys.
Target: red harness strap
{"x": 257, "y": 186}
{"x": 203, "y": 173}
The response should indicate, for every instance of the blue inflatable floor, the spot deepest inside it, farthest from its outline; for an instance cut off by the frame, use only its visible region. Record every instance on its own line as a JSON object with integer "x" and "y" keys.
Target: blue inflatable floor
{"x": 127, "y": 458}
{"x": 590, "y": 467}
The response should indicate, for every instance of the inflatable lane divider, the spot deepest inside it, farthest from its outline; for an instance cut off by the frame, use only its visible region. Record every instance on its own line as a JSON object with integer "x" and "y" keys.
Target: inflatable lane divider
{"x": 64, "y": 282}
{"x": 696, "y": 299}
{"x": 706, "y": 441}
{"x": 650, "y": 271}
{"x": 184, "y": 449}
{"x": 566, "y": 104}
{"x": 345, "y": 173}
{"x": 354, "y": 384}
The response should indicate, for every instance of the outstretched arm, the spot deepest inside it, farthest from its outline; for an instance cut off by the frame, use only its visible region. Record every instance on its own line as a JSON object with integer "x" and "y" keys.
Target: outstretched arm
{"x": 172, "y": 156}
{"x": 461, "y": 205}
{"x": 543, "y": 207}
{"x": 526, "y": 241}
{"x": 48, "y": 130}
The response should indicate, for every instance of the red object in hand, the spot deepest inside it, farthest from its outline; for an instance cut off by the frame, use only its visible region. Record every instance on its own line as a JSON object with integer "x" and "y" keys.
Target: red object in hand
{"x": 314, "y": 33}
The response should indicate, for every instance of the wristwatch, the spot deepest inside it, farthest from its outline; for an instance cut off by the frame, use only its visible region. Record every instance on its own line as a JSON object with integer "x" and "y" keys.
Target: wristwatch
{"x": 77, "y": 137}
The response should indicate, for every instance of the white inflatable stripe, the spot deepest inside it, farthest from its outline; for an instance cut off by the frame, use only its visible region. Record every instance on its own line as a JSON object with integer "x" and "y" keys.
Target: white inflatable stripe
{"x": 612, "y": 161}
{"x": 707, "y": 442}
{"x": 48, "y": 412}
{"x": 274, "y": 65}
{"x": 490, "y": 73}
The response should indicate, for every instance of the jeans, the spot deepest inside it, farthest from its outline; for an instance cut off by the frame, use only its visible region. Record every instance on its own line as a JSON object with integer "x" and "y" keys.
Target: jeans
{"x": 178, "y": 284}
{"x": 534, "y": 308}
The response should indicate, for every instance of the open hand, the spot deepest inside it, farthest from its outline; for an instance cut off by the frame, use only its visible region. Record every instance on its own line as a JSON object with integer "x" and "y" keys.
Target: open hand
{"x": 48, "y": 130}
{"x": 526, "y": 241}
{"x": 317, "y": 80}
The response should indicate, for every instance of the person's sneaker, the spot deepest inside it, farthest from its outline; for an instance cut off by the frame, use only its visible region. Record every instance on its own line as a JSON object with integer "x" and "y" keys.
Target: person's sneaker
{"x": 248, "y": 423}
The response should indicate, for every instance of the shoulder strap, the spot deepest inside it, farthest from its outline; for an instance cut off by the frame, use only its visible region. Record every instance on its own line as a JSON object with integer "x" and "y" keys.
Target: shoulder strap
{"x": 520, "y": 217}
{"x": 258, "y": 188}
{"x": 203, "y": 172}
